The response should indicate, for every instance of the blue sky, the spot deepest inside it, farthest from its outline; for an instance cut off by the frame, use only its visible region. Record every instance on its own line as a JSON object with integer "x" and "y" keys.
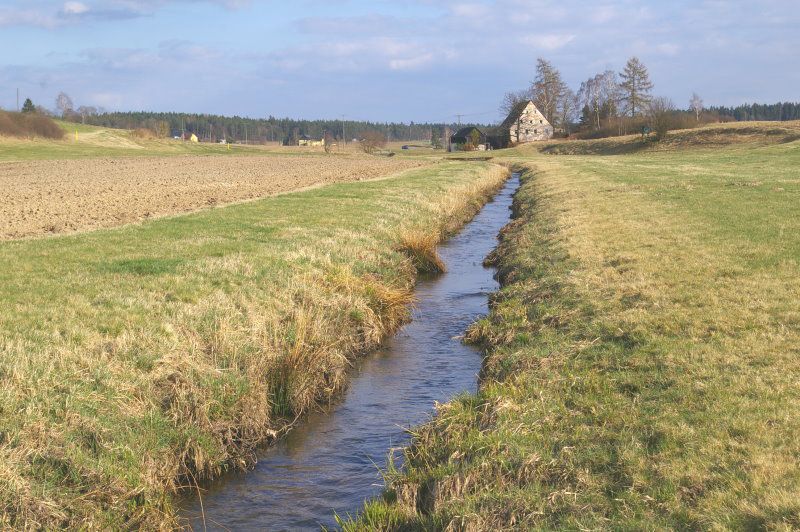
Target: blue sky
{"x": 419, "y": 60}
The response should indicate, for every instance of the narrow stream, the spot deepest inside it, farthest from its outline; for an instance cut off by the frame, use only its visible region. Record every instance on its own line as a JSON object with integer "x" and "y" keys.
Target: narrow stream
{"x": 330, "y": 462}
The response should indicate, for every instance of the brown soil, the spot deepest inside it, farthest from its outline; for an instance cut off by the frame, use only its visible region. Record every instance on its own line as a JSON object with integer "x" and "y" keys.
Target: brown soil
{"x": 44, "y": 197}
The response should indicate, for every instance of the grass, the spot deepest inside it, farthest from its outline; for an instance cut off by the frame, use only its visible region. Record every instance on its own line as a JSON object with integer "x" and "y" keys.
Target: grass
{"x": 420, "y": 246}
{"x": 95, "y": 141}
{"x": 641, "y": 358}
{"x": 139, "y": 360}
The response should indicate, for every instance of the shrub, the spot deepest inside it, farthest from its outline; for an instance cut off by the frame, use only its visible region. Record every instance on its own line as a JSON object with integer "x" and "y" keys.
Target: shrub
{"x": 29, "y": 125}
{"x": 143, "y": 133}
{"x": 372, "y": 140}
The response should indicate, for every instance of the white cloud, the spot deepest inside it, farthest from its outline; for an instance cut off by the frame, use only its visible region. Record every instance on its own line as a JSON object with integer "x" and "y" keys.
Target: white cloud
{"x": 411, "y": 63}
{"x": 470, "y": 10}
{"x": 668, "y": 49}
{"x": 551, "y": 41}
{"x": 75, "y": 8}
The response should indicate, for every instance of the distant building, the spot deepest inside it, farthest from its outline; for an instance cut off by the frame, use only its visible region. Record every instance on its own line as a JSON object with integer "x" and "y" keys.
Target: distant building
{"x": 305, "y": 140}
{"x": 467, "y": 139}
{"x": 525, "y": 123}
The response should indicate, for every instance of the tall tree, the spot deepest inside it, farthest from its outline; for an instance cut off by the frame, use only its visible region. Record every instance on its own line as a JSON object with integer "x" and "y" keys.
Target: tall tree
{"x": 64, "y": 103}
{"x": 636, "y": 86}
{"x": 696, "y": 105}
{"x": 600, "y": 95}
{"x": 568, "y": 110}
{"x": 548, "y": 90}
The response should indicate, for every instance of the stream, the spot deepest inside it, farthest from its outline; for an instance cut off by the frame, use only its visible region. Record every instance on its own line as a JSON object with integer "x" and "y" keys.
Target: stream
{"x": 330, "y": 463}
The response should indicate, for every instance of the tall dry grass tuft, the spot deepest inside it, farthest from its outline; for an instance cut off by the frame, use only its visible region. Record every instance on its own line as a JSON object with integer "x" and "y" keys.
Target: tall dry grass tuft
{"x": 421, "y": 249}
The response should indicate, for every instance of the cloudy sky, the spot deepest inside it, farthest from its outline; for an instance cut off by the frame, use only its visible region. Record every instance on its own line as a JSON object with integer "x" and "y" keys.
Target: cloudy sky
{"x": 419, "y": 60}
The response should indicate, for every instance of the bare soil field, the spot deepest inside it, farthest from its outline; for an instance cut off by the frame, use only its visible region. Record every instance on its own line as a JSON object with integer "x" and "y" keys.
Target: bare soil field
{"x": 42, "y": 197}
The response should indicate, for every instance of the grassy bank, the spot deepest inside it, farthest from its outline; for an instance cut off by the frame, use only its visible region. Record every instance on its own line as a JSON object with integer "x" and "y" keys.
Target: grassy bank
{"x": 641, "y": 367}
{"x": 81, "y": 142}
{"x": 137, "y": 360}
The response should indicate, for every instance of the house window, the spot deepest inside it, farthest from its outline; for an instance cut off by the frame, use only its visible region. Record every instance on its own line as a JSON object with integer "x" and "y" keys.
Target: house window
{"x": 527, "y": 131}
{"x": 541, "y": 122}
{"x": 535, "y": 131}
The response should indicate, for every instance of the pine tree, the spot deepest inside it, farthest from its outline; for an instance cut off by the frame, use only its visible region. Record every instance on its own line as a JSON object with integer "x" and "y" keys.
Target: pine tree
{"x": 548, "y": 90}
{"x": 636, "y": 86}
{"x": 28, "y": 106}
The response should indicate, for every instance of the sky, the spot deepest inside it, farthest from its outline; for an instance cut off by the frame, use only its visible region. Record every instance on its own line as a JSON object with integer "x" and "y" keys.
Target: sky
{"x": 380, "y": 60}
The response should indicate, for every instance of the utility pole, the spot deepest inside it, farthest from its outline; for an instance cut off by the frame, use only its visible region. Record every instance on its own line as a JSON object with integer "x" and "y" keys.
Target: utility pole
{"x": 344, "y": 138}
{"x": 459, "y": 119}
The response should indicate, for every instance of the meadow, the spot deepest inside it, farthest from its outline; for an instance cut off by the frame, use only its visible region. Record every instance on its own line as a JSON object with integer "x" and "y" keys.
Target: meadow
{"x": 641, "y": 358}
{"x": 139, "y": 360}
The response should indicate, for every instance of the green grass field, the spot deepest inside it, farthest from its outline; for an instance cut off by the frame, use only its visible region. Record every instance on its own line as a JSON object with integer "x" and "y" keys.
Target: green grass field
{"x": 642, "y": 357}
{"x": 137, "y": 360}
{"x": 93, "y": 141}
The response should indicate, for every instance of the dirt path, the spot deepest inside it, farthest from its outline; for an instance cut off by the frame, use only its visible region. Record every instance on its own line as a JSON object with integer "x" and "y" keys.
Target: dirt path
{"x": 44, "y": 197}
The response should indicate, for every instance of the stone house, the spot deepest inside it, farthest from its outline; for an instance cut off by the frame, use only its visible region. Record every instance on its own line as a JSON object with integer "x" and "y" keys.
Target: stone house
{"x": 525, "y": 123}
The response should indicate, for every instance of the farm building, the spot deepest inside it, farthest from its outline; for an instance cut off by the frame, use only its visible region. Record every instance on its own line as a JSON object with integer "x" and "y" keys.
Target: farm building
{"x": 307, "y": 141}
{"x": 525, "y": 123}
{"x": 468, "y": 138}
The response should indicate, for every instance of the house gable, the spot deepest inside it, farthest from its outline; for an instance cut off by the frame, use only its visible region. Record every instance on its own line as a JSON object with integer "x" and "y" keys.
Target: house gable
{"x": 525, "y": 123}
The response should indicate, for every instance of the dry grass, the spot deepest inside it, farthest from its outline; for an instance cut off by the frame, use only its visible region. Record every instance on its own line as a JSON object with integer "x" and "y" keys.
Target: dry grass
{"x": 139, "y": 360}
{"x": 420, "y": 246}
{"x": 28, "y": 125}
{"x": 744, "y": 134}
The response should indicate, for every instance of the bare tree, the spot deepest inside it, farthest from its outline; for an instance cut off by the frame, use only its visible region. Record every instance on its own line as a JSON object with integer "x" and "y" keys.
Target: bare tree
{"x": 696, "y": 105}
{"x": 548, "y": 90}
{"x": 85, "y": 111}
{"x": 372, "y": 140}
{"x": 661, "y": 111}
{"x": 601, "y": 95}
{"x": 568, "y": 109}
{"x": 512, "y": 99}
{"x": 64, "y": 103}
{"x": 636, "y": 86}
{"x": 328, "y": 142}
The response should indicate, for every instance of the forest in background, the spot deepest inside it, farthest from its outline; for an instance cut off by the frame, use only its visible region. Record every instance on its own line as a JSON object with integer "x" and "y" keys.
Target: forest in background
{"x": 254, "y": 130}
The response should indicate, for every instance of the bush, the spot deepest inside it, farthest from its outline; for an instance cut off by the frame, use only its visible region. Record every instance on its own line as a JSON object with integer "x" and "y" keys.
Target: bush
{"x": 29, "y": 125}
{"x": 662, "y": 115}
{"x": 372, "y": 140}
{"x": 142, "y": 133}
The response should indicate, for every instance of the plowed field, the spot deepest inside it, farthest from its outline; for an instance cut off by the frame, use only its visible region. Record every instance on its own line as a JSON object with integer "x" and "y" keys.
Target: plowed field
{"x": 73, "y": 195}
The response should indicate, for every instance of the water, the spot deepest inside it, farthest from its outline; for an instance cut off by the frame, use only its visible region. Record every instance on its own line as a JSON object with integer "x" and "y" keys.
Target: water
{"x": 330, "y": 462}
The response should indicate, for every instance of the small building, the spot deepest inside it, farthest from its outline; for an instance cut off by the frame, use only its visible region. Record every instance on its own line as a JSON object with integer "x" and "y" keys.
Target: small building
{"x": 468, "y": 139}
{"x": 305, "y": 140}
{"x": 525, "y": 123}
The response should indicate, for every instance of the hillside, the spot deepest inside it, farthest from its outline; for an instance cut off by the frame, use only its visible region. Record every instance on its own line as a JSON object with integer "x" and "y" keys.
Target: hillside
{"x": 92, "y": 141}
{"x": 744, "y": 134}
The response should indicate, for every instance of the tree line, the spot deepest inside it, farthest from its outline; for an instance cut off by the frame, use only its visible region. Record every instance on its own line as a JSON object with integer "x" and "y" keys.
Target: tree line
{"x": 780, "y": 111}
{"x": 256, "y": 130}
{"x": 617, "y": 103}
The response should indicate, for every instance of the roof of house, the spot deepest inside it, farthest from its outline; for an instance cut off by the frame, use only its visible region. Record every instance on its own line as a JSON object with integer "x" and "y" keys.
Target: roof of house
{"x": 466, "y": 133}
{"x": 516, "y": 113}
